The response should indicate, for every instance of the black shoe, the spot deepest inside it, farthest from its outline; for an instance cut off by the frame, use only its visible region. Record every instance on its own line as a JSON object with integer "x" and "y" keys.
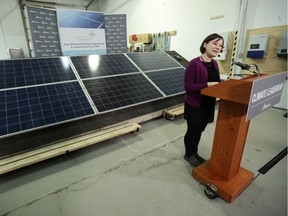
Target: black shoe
{"x": 199, "y": 158}
{"x": 192, "y": 160}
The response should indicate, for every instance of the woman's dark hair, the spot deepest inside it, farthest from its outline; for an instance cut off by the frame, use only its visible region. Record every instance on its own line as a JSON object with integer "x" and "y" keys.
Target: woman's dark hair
{"x": 208, "y": 39}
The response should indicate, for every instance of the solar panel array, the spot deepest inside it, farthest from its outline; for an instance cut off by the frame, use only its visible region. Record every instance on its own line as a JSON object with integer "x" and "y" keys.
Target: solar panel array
{"x": 39, "y": 92}
{"x": 36, "y": 93}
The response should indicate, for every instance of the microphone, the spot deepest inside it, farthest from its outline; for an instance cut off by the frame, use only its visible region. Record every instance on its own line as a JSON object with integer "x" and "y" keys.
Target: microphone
{"x": 243, "y": 66}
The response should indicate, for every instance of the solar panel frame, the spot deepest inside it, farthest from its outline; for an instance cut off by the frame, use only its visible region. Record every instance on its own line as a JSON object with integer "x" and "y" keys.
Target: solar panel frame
{"x": 169, "y": 81}
{"x": 80, "y": 19}
{"x": 118, "y": 92}
{"x": 26, "y": 72}
{"x": 35, "y": 107}
{"x": 149, "y": 61}
{"x": 102, "y": 65}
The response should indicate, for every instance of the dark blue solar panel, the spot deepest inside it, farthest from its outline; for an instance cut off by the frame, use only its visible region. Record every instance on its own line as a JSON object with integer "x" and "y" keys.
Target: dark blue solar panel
{"x": 153, "y": 60}
{"x": 80, "y": 19}
{"x": 120, "y": 91}
{"x": 26, "y": 108}
{"x": 102, "y": 65}
{"x": 25, "y": 72}
{"x": 43, "y": 92}
{"x": 169, "y": 81}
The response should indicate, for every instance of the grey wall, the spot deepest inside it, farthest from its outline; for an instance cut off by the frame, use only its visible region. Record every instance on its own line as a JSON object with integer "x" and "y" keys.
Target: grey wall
{"x": 193, "y": 19}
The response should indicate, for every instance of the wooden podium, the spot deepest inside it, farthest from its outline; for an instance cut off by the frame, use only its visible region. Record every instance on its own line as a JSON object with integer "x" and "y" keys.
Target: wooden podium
{"x": 222, "y": 172}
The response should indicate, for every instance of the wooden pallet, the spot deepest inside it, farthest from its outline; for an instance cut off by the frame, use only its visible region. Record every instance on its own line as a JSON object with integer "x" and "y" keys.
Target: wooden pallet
{"x": 174, "y": 111}
{"x": 62, "y": 147}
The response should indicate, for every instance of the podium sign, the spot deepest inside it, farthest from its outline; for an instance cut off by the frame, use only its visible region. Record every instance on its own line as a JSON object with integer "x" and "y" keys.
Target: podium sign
{"x": 265, "y": 93}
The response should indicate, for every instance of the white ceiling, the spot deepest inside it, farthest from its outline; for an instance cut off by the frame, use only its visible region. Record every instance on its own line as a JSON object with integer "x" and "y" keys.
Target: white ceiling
{"x": 60, "y": 3}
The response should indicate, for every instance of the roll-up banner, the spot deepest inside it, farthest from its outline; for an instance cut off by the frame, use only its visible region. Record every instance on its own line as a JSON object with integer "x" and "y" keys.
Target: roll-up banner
{"x": 44, "y": 32}
{"x": 116, "y": 33}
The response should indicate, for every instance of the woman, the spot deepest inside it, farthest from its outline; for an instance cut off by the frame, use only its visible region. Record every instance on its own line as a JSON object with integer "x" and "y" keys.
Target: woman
{"x": 201, "y": 72}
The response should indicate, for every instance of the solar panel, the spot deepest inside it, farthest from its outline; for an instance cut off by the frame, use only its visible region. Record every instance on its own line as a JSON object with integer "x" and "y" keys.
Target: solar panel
{"x": 80, "y": 19}
{"x": 169, "y": 81}
{"x": 25, "y": 72}
{"x": 153, "y": 60}
{"x": 111, "y": 93}
{"x": 27, "y": 108}
{"x": 36, "y": 93}
{"x": 102, "y": 65}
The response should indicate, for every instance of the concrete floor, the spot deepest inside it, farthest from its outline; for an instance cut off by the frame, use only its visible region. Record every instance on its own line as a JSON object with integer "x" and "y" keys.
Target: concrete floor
{"x": 144, "y": 173}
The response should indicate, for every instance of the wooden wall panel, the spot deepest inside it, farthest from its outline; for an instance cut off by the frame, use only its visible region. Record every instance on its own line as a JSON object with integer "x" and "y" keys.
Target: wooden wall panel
{"x": 271, "y": 64}
{"x": 224, "y": 65}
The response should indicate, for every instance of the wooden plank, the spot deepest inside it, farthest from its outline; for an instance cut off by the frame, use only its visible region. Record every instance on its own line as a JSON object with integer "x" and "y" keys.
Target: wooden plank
{"x": 80, "y": 141}
{"x": 173, "y": 112}
{"x": 61, "y": 147}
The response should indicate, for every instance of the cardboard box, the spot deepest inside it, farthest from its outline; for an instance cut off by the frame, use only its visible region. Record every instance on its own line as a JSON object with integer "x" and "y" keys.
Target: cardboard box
{"x": 140, "y": 38}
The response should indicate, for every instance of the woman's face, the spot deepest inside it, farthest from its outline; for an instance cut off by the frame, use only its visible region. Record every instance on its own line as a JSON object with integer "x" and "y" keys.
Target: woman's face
{"x": 214, "y": 47}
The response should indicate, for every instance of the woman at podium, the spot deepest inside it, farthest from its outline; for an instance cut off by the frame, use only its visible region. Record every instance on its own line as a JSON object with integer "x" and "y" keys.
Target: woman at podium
{"x": 201, "y": 72}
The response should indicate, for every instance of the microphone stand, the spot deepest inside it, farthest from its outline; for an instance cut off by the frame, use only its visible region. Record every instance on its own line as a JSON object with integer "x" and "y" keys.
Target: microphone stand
{"x": 256, "y": 71}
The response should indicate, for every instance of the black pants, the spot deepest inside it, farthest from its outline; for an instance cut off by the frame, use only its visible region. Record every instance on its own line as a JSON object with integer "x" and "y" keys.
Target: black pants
{"x": 192, "y": 137}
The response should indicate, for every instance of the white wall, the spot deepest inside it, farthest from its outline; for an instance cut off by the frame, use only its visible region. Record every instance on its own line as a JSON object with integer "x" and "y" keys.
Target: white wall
{"x": 12, "y": 33}
{"x": 266, "y": 13}
{"x": 189, "y": 17}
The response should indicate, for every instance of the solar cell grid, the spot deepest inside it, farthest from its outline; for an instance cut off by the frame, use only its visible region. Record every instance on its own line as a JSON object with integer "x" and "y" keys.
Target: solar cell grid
{"x": 120, "y": 91}
{"x": 102, "y": 65}
{"x": 27, "y": 108}
{"x": 153, "y": 60}
{"x": 74, "y": 19}
{"x": 25, "y": 72}
{"x": 169, "y": 81}
{"x": 56, "y": 95}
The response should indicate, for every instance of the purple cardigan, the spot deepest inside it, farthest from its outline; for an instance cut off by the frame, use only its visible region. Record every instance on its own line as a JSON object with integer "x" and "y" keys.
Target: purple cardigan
{"x": 195, "y": 79}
